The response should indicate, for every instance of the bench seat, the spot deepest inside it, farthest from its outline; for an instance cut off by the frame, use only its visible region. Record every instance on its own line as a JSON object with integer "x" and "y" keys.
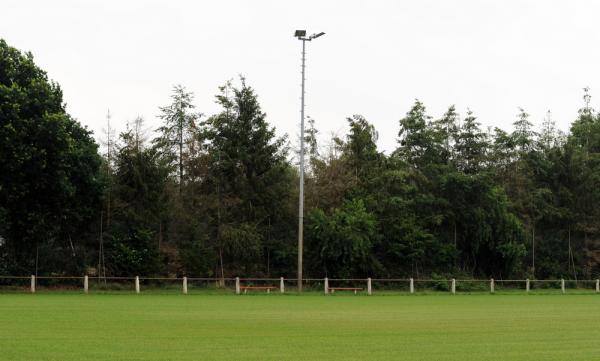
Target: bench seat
{"x": 267, "y": 288}
{"x": 355, "y": 289}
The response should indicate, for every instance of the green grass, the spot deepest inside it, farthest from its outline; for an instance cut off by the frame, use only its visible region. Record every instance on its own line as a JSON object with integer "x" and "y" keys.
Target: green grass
{"x": 71, "y": 326}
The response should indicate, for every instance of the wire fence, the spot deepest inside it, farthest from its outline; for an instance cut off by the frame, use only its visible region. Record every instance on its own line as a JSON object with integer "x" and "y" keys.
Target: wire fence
{"x": 329, "y": 286}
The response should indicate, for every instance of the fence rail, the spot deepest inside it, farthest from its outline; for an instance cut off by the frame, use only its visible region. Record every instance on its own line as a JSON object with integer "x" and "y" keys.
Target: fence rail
{"x": 326, "y": 285}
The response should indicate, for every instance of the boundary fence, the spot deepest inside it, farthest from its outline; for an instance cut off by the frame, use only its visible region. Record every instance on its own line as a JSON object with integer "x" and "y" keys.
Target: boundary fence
{"x": 325, "y": 285}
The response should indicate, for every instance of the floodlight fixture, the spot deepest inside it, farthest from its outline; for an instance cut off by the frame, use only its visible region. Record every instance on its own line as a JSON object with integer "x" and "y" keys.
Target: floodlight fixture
{"x": 300, "y": 33}
{"x": 314, "y": 36}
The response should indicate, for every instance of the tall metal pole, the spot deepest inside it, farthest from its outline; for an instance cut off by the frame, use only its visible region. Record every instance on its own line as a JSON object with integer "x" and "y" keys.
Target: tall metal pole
{"x": 301, "y": 35}
{"x": 301, "y": 196}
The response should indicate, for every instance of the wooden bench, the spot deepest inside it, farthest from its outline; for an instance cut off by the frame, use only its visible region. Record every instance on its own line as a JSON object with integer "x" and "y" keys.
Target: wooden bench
{"x": 355, "y": 289}
{"x": 267, "y": 288}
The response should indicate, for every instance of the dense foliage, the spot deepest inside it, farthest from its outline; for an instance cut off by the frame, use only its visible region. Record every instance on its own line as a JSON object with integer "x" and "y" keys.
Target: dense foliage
{"x": 217, "y": 195}
{"x": 49, "y": 185}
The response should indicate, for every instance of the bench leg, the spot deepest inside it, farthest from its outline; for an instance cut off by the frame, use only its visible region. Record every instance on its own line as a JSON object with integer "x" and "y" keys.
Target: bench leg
{"x": 268, "y": 290}
{"x": 245, "y": 290}
{"x": 354, "y": 291}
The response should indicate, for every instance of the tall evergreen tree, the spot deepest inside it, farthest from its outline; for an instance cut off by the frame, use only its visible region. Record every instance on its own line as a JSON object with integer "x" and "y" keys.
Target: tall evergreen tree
{"x": 446, "y": 129}
{"x": 139, "y": 206}
{"x": 248, "y": 166}
{"x": 178, "y": 131}
{"x": 415, "y": 138}
{"x": 523, "y": 134}
{"x": 360, "y": 150}
{"x": 471, "y": 145}
{"x": 548, "y": 135}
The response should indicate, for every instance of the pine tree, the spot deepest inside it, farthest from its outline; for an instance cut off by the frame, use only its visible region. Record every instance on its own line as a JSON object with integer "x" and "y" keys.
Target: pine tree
{"x": 248, "y": 165}
{"x": 312, "y": 146}
{"x": 178, "y": 131}
{"x": 416, "y": 138}
{"x": 471, "y": 145}
{"x": 523, "y": 134}
{"x": 361, "y": 147}
{"x": 548, "y": 135}
{"x": 139, "y": 184}
{"x": 446, "y": 129}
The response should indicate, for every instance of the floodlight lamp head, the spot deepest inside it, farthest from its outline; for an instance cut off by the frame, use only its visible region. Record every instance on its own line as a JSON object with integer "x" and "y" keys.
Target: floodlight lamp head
{"x": 300, "y": 33}
{"x": 314, "y": 36}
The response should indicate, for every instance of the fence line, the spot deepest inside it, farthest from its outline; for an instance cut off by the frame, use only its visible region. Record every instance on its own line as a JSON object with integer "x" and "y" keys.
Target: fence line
{"x": 295, "y": 279}
{"x": 328, "y": 285}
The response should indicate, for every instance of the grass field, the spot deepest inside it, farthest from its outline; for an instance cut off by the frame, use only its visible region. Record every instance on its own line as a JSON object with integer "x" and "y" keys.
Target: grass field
{"x": 310, "y": 327}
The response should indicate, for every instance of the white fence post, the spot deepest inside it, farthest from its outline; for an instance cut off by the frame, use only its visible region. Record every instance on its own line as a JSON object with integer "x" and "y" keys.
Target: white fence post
{"x": 237, "y": 285}
{"x": 369, "y": 290}
{"x": 185, "y": 285}
{"x": 137, "y": 284}
{"x": 562, "y": 285}
{"x": 492, "y": 285}
{"x": 597, "y": 286}
{"x": 281, "y": 285}
{"x": 326, "y": 285}
{"x": 453, "y": 286}
{"x": 32, "y": 284}
{"x": 527, "y": 285}
{"x": 412, "y": 285}
{"x": 85, "y": 284}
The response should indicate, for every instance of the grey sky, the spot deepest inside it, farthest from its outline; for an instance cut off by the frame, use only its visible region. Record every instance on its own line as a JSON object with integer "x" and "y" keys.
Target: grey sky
{"x": 377, "y": 57}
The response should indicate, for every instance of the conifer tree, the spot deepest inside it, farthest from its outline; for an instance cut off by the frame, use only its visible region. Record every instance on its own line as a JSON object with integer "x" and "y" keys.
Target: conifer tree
{"x": 471, "y": 145}
{"x": 178, "y": 130}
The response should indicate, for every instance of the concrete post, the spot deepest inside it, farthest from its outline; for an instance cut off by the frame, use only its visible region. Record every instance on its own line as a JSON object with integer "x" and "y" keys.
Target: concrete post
{"x": 32, "y": 284}
{"x": 412, "y": 285}
{"x": 369, "y": 290}
{"x": 527, "y": 285}
{"x": 453, "y": 286}
{"x": 85, "y": 284}
{"x": 137, "y": 284}
{"x": 562, "y": 285}
{"x": 492, "y": 285}
{"x": 326, "y": 285}
{"x": 281, "y": 285}
{"x": 185, "y": 285}
{"x": 237, "y": 285}
{"x": 597, "y": 286}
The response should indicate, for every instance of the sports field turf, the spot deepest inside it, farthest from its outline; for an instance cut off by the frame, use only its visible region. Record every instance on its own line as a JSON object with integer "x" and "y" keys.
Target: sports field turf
{"x": 309, "y": 327}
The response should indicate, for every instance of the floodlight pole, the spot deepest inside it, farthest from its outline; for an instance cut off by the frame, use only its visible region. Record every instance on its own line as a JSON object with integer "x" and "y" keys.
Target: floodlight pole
{"x": 301, "y": 35}
{"x": 301, "y": 195}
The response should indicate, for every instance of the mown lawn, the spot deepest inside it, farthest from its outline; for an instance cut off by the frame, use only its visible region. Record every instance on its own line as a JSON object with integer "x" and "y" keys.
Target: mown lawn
{"x": 310, "y": 327}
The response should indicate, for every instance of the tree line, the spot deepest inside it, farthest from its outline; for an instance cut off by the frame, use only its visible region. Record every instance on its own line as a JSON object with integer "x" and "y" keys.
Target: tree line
{"x": 217, "y": 195}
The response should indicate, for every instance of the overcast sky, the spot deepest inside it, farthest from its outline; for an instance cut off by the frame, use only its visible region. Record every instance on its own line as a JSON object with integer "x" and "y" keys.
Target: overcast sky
{"x": 376, "y": 58}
